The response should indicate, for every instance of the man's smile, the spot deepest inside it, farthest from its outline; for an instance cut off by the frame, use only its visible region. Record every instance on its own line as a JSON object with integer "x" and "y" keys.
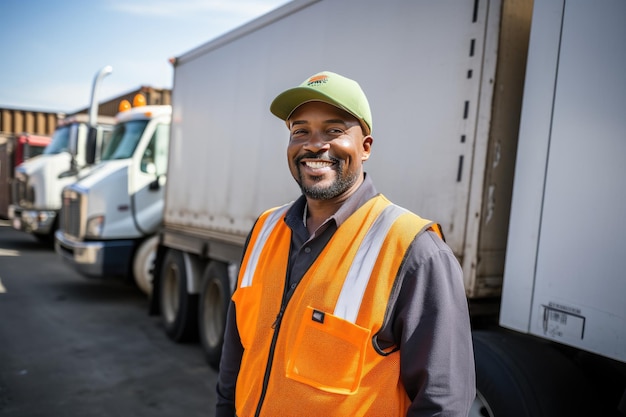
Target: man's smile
{"x": 317, "y": 164}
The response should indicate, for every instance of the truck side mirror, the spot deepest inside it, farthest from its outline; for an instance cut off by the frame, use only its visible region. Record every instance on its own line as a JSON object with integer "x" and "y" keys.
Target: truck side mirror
{"x": 156, "y": 184}
{"x": 91, "y": 145}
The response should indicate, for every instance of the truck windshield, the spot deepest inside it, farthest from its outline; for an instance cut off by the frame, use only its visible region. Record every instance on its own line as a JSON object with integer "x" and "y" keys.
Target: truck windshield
{"x": 124, "y": 140}
{"x": 60, "y": 141}
{"x": 30, "y": 151}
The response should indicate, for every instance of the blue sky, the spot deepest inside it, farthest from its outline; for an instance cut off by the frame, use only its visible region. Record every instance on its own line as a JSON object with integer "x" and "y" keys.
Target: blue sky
{"x": 53, "y": 49}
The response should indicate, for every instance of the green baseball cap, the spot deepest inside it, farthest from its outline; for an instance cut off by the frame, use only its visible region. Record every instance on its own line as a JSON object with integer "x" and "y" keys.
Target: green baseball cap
{"x": 330, "y": 88}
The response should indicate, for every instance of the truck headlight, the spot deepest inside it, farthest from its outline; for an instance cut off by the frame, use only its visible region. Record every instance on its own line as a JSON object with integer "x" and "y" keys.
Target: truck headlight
{"x": 94, "y": 226}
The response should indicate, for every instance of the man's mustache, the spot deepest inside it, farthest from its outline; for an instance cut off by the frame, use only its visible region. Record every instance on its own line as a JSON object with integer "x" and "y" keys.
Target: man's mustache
{"x": 322, "y": 156}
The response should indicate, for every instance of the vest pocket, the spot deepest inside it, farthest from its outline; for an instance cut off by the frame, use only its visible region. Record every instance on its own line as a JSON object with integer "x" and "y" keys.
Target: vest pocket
{"x": 328, "y": 353}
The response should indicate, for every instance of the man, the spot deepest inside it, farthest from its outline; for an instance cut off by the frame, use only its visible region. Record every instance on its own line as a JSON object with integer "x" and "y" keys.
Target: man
{"x": 346, "y": 304}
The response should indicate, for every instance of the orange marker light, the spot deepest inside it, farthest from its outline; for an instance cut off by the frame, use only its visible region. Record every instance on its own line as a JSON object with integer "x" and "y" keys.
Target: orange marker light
{"x": 124, "y": 105}
{"x": 139, "y": 100}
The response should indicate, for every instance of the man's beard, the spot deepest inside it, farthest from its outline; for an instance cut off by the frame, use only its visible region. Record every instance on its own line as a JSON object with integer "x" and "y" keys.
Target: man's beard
{"x": 339, "y": 185}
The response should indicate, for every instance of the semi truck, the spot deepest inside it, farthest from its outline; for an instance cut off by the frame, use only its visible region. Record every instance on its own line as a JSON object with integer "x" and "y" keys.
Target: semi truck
{"x": 38, "y": 182}
{"x": 15, "y": 149}
{"x": 76, "y": 144}
{"x": 501, "y": 120}
{"x": 109, "y": 218}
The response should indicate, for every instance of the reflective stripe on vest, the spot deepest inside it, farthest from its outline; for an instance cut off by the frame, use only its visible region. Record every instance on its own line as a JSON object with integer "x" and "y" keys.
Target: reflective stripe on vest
{"x": 351, "y": 295}
{"x": 268, "y": 226}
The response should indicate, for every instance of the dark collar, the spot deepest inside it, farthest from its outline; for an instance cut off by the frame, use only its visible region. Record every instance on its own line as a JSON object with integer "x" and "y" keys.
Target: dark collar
{"x": 363, "y": 194}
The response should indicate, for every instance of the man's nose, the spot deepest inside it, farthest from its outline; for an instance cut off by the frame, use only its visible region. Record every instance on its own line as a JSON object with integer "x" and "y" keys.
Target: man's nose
{"x": 317, "y": 141}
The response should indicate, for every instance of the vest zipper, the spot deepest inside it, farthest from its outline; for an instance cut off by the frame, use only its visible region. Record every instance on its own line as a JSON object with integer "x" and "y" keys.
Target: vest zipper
{"x": 276, "y": 328}
{"x": 279, "y": 318}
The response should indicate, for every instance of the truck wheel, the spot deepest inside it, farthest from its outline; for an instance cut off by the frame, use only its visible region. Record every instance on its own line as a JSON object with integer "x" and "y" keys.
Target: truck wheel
{"x": 45, "y": 239}
{"x": 143, "y": 264}
{"x": 517, "y": 376}
{"x": 179, "y": 309}
{"x": 213, "y": 306}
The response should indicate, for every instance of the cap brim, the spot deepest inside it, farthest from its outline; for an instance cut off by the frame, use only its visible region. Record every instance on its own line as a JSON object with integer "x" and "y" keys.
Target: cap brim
{"x": 285, "y": 103}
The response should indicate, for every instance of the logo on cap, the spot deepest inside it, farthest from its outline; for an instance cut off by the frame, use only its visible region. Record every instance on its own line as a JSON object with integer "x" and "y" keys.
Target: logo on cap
{"x": 317, "y": 80}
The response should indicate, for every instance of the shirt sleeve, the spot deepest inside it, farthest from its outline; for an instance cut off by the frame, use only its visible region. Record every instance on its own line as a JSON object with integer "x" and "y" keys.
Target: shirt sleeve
{"x": 431, "y": 326}
{"x": 232, "y": 351}
{"x": 230, "y": 362}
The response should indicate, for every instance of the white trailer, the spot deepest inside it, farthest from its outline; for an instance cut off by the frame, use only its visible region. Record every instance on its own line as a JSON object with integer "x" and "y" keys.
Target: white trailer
{"x": 563, "y": 279}
{"x": 445, "y": 81}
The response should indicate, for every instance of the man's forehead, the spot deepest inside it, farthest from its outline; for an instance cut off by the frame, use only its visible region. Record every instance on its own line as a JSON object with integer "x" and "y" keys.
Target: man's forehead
{"x": 319, "y": 108}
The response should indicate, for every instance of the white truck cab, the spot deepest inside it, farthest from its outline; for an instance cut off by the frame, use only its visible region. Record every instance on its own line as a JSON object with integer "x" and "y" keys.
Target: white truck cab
{"x": 109, "y": 218}
{"x": 39, "y": 180}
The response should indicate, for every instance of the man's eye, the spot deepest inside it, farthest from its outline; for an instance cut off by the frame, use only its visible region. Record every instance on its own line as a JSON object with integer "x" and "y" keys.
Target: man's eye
{"x": 298, "y": 133}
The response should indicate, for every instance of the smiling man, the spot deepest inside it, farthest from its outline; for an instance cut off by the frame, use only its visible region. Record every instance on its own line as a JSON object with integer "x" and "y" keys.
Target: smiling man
{"x": 346, "y": 304}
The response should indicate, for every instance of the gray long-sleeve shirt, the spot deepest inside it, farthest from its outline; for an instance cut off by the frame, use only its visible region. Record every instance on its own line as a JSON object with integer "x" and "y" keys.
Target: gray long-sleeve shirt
{"x": 429, "y": 319}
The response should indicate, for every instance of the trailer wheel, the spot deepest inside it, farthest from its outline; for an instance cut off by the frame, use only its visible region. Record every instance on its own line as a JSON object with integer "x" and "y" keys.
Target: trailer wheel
{"x": 517, "y": 376}
{"x": 143, "y": 264}
{"x": 213, "y": 307}
{"x": 179, "y": 309}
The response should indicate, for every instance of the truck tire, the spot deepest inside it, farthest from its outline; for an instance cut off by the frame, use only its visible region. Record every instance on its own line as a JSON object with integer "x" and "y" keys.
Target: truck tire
{"x": 212, "y": 310}
{"x": 46, "y": 240}
{"x": 517, "y": 376}
{"x": 143, "y": 264}
{"x": 179, "y": 309}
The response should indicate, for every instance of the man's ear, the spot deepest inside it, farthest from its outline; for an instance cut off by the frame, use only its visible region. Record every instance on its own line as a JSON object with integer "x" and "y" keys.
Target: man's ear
{"x": 367, "y": 147}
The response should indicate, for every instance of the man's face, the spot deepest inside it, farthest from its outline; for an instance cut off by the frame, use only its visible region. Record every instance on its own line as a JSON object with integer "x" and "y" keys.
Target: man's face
{"x": 326, "y": 150}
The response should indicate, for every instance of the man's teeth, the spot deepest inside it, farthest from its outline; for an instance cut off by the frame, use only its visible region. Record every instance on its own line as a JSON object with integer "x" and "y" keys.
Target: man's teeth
{"x": 318, "y": 164}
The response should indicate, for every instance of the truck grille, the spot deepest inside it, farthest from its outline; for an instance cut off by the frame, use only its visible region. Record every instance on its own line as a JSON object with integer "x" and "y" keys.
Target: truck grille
{"x": 23, "y": 194}
{"x": 71, "y": 213}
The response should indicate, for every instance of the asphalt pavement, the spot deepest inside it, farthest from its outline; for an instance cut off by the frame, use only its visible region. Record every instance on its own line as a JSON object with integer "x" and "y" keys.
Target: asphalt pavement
{"x": 72, "y": 346}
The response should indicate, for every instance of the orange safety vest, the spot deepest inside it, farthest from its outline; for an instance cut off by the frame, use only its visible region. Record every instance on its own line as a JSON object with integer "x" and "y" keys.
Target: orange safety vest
{"x": 317, "y": 357}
